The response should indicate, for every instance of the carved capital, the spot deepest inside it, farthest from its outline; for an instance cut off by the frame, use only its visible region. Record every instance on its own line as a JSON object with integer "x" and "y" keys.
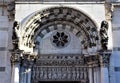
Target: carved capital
{"x": 27, "y": 60}
{"x": 93, "y": 60}
{"x": 105, "y": 58}
{"x": 15, "y": 56}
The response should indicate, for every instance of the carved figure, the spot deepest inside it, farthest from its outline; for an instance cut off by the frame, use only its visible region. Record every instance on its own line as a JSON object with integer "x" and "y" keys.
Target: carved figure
{"x": 14, "y": 36}
{"x": 104, "y": 35}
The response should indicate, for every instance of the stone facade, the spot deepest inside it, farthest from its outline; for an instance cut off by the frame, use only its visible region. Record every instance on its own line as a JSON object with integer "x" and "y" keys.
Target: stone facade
{"x": 59, "y": 40}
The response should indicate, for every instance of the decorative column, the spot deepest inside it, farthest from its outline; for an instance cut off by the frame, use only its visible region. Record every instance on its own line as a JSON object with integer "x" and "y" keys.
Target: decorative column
{"x": 27, "y": 61}
{"x": 105, "y": 56}
{"x": 90, "y": 74}
{"x": 93, "y": 63}
{"x": 15, "y": 63}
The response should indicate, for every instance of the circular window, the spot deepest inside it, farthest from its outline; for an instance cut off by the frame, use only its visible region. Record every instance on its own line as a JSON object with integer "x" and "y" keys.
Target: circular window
{"x": 60, "y": 39}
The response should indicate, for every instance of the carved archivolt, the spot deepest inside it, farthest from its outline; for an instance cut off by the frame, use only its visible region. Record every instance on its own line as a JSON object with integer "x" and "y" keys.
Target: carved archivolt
{"x": 47, "y": 20}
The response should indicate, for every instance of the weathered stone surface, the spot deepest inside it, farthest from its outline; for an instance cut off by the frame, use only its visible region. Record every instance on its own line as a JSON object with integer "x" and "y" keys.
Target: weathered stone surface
{"x": 97, "y": 10}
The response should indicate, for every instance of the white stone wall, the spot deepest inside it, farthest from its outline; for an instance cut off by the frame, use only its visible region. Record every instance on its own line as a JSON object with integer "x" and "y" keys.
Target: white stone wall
{"x": 115, "y": 58}
{"x": 95, "y": 11}
{"x": 5, "y": 28}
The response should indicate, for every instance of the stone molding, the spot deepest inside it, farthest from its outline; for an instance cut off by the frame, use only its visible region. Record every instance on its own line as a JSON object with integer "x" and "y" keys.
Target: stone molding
{"x": 59, "y": 0}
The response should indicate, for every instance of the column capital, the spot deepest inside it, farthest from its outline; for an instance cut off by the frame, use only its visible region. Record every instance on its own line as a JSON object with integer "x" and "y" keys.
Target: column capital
{"x": 28, "y": 60}
{"x": 15, "y": 56}
{"x": 105, "y": 58}
{"x": 93, "y": 60}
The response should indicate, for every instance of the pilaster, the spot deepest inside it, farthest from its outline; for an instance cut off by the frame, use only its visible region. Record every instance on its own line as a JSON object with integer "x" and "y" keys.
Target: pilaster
{"x": 105, "y": 69}
{"x": 15, "y": 64}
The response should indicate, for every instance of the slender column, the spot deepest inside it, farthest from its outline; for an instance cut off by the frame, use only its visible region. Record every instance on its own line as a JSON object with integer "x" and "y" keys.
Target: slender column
{"x": 29, "y": 75}
{"x": 15, "y": 62}
{"x": 27, "y": 64}
{"x": 95, "y": 75}
{"x": 90, "y": 75}
{"x": 104, "y": 68}
{"x": 21, "y": 74}
{"x": 104, "y": 75}
{"x": 98, "y": 75}
{"x": 15, "y": 73}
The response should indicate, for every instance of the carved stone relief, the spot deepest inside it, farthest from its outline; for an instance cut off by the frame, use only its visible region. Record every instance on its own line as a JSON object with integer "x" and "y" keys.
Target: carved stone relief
{"x": 59, "y": 74}
{"x": 60, "y": 68}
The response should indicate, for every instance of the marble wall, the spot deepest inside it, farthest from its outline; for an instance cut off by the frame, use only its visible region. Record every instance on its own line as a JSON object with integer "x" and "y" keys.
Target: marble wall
{"x": 5, "y": 43}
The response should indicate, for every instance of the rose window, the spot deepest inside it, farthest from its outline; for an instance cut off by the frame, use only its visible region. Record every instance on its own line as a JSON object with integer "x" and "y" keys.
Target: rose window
{"x": 60, "y": 39}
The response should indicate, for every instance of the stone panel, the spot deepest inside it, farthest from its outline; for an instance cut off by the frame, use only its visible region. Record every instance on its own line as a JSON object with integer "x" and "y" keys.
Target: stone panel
{"x": 3, "y": 38}
{"x": 115, "y": 25}
{"x": 2, "y": 69}
{"x": 2, "y": 76}
{"x": 4, "y": 24}
{"x": 2, "y": 58}
{"x": 3, "y": 19}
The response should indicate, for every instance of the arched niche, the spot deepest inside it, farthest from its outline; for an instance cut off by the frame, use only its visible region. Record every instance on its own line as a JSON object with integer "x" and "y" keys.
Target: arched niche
{"x": 44, "y": 24}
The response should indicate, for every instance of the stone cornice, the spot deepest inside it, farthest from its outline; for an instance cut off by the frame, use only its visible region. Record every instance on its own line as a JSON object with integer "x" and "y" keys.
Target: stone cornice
{"x": 35, "y": 2}
{"x": 59, "y": 0}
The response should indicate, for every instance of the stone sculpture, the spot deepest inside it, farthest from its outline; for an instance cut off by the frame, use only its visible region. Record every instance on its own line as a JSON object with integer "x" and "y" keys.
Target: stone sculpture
{"x": 104, "y": 35}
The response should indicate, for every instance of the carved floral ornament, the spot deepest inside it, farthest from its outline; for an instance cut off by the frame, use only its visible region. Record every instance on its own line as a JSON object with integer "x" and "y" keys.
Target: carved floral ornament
{"x": 60, "y": 39}
{"x": 80, "y": 24}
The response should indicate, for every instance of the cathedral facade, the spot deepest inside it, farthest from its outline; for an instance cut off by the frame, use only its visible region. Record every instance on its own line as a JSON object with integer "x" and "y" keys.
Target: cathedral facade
{"x": 65, "y": 41}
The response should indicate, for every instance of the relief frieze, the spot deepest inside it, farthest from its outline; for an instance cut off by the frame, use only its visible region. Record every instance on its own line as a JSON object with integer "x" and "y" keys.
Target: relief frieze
{"x": 57, "y": 60}
{"x": 59, "y": 73}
